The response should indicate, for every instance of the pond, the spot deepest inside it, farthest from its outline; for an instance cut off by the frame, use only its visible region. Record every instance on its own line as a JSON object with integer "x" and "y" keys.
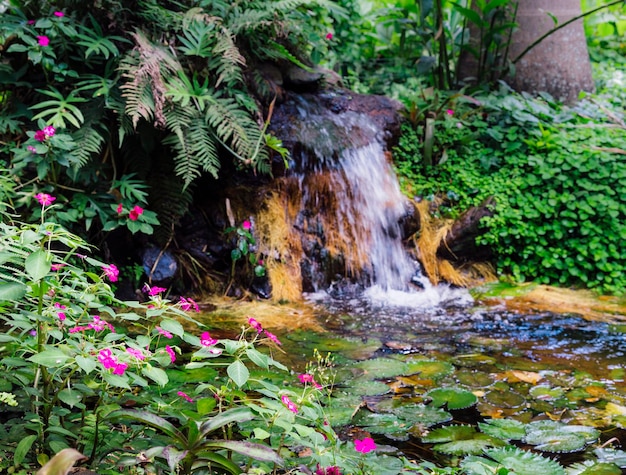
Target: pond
{"x": 411, "y": 375}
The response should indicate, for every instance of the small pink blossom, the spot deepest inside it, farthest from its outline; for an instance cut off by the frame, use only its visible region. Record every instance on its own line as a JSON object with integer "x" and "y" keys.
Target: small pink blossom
{"x": 290, "y": 405}
{"x": 364, "y": 446}
{"x": 152, "y": 291}
{"x": 246, "y": 225}
{"x": 134, "y": 213}
{"x": 329, "y": 36}
{"x": 450, "y": 112}
{"x": 111, "y": 271}
{"x": 31, "y": 149}
{"x": 33, "y": 333}
{"x": 40, "y": 136}
{"x": 206, "y": 340}
{"x": 332, "y": 470}
{"x": 77, "y": 329}
{"x": 272, "y": 337}
{"x": 44, "y": 199}
{"x": 59, "y": 14}
{"x": 105, "y": 356}
{"x": 171, "y": 353}
{"x": 56, "y": 267}
{"x": 308, "y": 378}
{"x": 165, "y": 333}
{"x": 255, "y": 324}
{"x": 98, "y": 324}
{"x": 43, "y": 40}
{"x": 120, "y": 368}
{"x": 135, "y": 353}
{"x": 187, "y": 304}
{"x": 184, "y": 396}
{"x": 120, "y": 208}
{"x": 30, "y": 22}
{"x": 49, "y": 131}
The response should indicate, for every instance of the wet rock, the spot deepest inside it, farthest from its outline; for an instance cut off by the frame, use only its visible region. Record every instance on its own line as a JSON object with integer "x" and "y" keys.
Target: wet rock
{"x": 160, "y": 266}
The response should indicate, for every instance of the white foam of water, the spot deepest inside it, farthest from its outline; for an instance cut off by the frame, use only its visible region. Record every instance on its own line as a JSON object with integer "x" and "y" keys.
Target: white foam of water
{"x": 441, "y": 295}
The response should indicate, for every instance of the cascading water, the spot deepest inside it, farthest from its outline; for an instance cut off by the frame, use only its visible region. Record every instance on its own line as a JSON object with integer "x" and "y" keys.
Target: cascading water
{"x": 350, "y": 206}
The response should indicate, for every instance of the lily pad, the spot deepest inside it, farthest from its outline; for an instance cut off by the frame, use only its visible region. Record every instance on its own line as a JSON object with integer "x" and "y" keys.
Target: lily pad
{"x": 340, "y": 410}
{"x": 473, "y": 465}
{"x": 365, "y": 387}
{"x": 505, "y": 399}
{"x": 454, "y": 398}
{"x": 382, "y": 368}
{"x": 460, "y": 440}
{"x": 591, "y": 467}
{"x": 506, "y": 429}
{"x": 551, "y": 436}
{"x": 388, "y": 424}
{"x": 526, "y": 463}
{"x": 546, "y": 393}
{"x": 429, "y": 369}
{"x": 426, "y": 416}
{"x": 618, "y": 457}
{"x": 473, "y": 379}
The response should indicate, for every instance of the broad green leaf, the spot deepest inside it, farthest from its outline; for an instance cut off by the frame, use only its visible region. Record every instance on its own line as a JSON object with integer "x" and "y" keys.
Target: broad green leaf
{"x": 379, "y": 368}
{"x": 506, "y": 429}
{"x": 238, "y": 372}
{"x": 22, "y": 449}
{"x": 454, "y": 398}
{"x": 257, "y": 357}
{"x": 172, "y": 326}
{"x": 249, "y": 449}
{"x": 155, "y": 374}
{"x": 38, "y": 264}
{"x": 421, "y": 414}
{"x": 12, "y": 291}
{"x": 152, "y": 420}
{"x": 592, "y": 467}
{"x": 51, "y": 358}
{"x": 366, "y": 387}
{"x": 527, "y": 463}
{"x": 119, "y": 381}
{"x": 551, "y": 436}
{"x": 238, "y": 414}
{"x": 430, "y": 369}
{"x": 473, "y": 465}
{"x": 86, "y": 364}
{"x": 70, "y": 396}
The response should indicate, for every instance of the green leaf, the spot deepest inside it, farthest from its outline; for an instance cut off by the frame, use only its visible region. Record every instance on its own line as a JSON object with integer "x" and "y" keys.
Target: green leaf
{"x": 22, "y": 449}
{"x": 12, "y": 291}
{"x": 155, "y": 374}
{"x": 527, "y": 463}
{"x": 86, "y": 364}
{"x": 461, "y": 440}
{"x": 238, "y": 414}
{"x": 258, "y": 358}
{"x": 152, "y": 420}
{"x": 70, "y": 396}
{"x": 51, "y": 358}
{"x": 454, "y": 398}
{"x": 38, "y": 264}
{"x": 379, "y": 368}
{"x": 249, "y": 449}
{"x": 506, "y": 429}
{"x": 551, "y": 436}
{"x": 238, "y": 372}
{"x": 592, "y": 467}
{"x": 173, "y": 327}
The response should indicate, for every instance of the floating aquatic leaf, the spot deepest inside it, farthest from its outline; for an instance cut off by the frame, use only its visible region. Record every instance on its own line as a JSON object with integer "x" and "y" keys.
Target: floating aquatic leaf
{"x": 380, "y": 368}
{"x": 460, "y": 440}
{"x": 454, "y": 398}
{"x": 415, "y": 413}
{"x": 430, "y": 369}
{"x": 341, "y": 409}
{"x": 388, "y": 424}
{"x": 505, "y": 399}
{"x": 551, "y": 436}
{"x": 526, "y": 463}
{"x": 474, "y": 379}
{"x": 473, "y": 465}
{"x": 531, "y": 377}
{"x": 506, "y": 429}
{"x": 366, "y": 387}
{"x": 591, "y": 467}
{"x": 618, "y": 457}
{"x": 546, "y": 393}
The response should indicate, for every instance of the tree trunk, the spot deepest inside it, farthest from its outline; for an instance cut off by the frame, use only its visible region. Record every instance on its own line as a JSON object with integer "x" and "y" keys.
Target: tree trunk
{"x": 559, "y": 64}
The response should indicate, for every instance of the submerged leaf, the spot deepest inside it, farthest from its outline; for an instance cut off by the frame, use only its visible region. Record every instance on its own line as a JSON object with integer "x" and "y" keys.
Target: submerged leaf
{"x": 428, "y": 369}
{"x": 421, "y": 414}
{"x": 461, "y": 440}
{"x": 382, "y": 368}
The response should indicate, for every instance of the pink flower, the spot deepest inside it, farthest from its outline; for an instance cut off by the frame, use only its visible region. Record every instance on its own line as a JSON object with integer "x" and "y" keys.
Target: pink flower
{"x": 31, "y": 149}
{"x": 450, "y": 112}
{"x": 77, "y": 329}
{"x": 272, "y": 337}
{"x": 134, "y": 213}
{"x": 107, "y": 359}
{"x": 61, "y": 316}
{"x": 111, "y": 271}
{"x": 206, "y": 340}
{"x": 246, "y": 225}
{"x": 165, "y": 333}
{"x": 187, "y": 304}
{"x": 184, "y": 396}
{"x": 364, "y": 446}
{"x": 329, "y": 36}
{"x": 44, "y": 199}
{"x": 255, "y": 324}
{"x": 59, "y": 14}
{"x": 30, "y": 22}
{"x": 135, "y": 353}
{"x": 120, "y": 368}
{"x": 56, "y": 267}
{"x": 40, "y": 136}
{"x": 308, "y": 378}
{"x": 154, "y": 290}
{"x": 120, "y": 208}
{"x": 99, "y": 325}
{"x": 170, "y": 352}
{"x": 49, "y": 131}
{"x": 332, "y": 470}
{"x": 290, "y": 405}
{"x": 43, "y": 40}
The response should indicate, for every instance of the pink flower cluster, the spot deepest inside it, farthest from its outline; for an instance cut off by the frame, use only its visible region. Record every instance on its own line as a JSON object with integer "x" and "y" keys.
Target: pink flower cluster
{"x": 332, "y": 470}
{"x": 308, "y": 378}
{"x": 60, "y": 314}
{"x": 44, "y": 134}
{"x": 259, "y": 328}
{"x": 187, "y": 304}
{"x": 290, "y": 405}
{"x": 111, "y": 362}
{"x": 98, "y": 325}
{"x": 184, "y": 396}
{"x": 170, "y": 352}
{"x": 364, "y": 446}
{"x": 152, "y": 291}
{"x": 111, "y": 271}
{"x": 133, "y": 214}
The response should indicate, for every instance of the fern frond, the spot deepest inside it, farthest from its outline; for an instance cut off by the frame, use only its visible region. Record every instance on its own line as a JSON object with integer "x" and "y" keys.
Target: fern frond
{"x": 203, "y": 146}
{"x": 146, "y": 69}
{"x": 231, "y": 124}
{"x": 228, "y": 60}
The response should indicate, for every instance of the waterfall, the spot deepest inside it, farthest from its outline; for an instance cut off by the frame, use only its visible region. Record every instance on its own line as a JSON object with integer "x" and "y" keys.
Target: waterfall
{"x": 349, "y": 198}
